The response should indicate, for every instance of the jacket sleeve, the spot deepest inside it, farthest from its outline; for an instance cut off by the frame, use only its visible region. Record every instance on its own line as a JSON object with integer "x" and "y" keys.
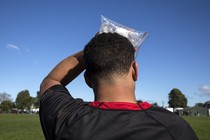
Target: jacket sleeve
{"x": 56, "y": 104}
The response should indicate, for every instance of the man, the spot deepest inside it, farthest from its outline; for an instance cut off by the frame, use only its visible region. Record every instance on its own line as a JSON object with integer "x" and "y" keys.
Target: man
{"x": 110, "y": 70}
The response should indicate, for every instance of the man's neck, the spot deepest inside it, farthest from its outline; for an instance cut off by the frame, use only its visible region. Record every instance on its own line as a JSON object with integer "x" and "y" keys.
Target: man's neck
{"x": 115, "y": 91}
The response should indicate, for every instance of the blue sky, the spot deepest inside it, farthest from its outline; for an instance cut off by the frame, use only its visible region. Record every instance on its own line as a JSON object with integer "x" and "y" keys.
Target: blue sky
{"x": 35, "y": 35}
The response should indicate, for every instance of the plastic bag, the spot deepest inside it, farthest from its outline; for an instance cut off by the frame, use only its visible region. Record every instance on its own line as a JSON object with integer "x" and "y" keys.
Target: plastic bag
{"x": 135, "y": 37}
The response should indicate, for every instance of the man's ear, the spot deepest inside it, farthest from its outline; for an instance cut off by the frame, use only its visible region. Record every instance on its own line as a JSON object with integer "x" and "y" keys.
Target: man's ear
{"x": 135, "y": 70}
{"x": 87, "y": 80}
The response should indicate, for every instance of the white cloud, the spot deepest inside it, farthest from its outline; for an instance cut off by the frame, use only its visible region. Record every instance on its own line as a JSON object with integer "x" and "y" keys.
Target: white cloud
{"x": 11, "y": 46}
{"x": 205, "y": 90}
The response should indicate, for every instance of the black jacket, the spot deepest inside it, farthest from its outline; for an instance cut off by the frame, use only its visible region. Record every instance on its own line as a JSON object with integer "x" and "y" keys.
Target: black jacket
{"x": 65, "y": 118}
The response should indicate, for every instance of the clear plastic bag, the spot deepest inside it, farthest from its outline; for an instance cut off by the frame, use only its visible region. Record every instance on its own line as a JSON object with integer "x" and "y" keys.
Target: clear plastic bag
{"x": 135, "y": 37}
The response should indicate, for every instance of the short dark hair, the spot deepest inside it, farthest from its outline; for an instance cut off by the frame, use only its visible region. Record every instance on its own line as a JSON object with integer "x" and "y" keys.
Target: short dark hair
{"x": 107, "y": 54}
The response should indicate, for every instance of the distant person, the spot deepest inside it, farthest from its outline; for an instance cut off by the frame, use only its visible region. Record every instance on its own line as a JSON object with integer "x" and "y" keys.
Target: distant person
{"x": 115, "y": 114}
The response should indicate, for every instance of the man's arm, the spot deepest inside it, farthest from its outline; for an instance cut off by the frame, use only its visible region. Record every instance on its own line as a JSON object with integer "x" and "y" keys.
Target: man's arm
{"x": 66, "y": 71}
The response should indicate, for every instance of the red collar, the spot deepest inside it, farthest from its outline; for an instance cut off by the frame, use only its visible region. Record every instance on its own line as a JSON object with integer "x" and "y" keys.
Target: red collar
{"x": 121, "y": 105}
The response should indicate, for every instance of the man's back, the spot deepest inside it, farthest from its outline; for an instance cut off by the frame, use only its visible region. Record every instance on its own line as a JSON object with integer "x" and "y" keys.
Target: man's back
{"x": 78, "y": 120}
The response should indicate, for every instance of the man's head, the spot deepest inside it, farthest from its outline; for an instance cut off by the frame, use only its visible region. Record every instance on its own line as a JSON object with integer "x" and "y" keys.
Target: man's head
{"x": 108, "y": 55}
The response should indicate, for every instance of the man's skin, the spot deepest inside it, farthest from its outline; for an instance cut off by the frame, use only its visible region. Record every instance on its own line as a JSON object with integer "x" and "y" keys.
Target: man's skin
{"x": 118, "y": 88}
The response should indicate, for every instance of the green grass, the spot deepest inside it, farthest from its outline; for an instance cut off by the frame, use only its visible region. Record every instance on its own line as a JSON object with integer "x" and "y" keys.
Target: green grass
{"x": 201, "y": 126}
{"x": 20, "y": 127}
{"x": 27, "y": 127}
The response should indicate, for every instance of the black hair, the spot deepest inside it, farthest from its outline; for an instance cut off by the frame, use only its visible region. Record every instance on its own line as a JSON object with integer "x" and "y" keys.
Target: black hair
{"x": 107, "y": 54}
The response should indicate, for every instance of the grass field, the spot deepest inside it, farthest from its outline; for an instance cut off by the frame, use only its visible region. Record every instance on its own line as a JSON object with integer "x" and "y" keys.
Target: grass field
{"x": 201, "y": 126}
{"x": 27, "y": 127}
{"x": 20, "y": 127}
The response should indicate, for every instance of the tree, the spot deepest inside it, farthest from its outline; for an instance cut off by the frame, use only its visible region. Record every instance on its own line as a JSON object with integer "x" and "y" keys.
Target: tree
{"x": 6, "y": 106}
{"x": 207, "y": 104}
{"x": 199, "y": 104}
{"x": 38, "y": 94}
{"x": 35, "y": 100}
{"x": 155, "y": 104}
{"x": 23, "y": 100}
{"x": 177, "y": 99}
{"x": 5, "y": 97}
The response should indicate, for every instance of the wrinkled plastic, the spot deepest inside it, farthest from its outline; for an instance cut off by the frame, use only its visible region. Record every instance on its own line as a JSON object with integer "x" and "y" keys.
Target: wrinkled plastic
{"x": 135, "y": 37}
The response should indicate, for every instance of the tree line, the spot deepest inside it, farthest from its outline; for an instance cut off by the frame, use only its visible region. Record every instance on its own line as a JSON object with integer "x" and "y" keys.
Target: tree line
{"x": 23, "y": 101}
{"x": 178, "y": 99}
